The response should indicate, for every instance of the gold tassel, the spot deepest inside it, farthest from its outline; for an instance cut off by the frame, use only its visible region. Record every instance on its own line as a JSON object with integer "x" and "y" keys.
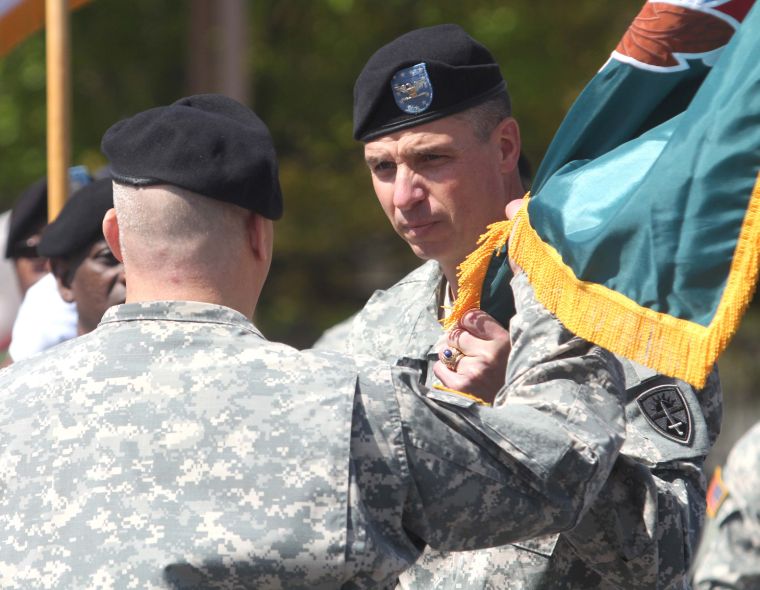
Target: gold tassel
{"x": 471, "y": 273}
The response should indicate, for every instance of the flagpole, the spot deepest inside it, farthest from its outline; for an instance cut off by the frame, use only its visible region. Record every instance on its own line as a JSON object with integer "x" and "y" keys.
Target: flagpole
{"x": 58, "y": 103}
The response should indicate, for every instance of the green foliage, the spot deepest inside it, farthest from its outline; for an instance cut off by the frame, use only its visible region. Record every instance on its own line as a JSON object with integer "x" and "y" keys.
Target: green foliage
{"x": 22, "y": 119}
{"x": 125, "y": 56}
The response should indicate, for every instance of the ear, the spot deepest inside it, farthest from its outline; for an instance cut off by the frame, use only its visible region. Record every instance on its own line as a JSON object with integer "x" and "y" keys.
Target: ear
{"x": 507, "y": 134}
{"x": 112, "y": 233}
{"x": 260, "y": 237}
{"x": 60, "y": 270}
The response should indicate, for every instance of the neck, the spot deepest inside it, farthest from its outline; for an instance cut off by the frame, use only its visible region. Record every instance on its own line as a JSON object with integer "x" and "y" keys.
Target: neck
{"x": 450, "y": 272}
{"x": 188, "y": 290}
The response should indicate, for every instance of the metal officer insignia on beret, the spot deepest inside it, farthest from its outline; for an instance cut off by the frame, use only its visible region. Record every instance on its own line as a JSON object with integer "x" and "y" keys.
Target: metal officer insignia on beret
{"x": 412, "y": 89}
{"x": 665, "y": 408}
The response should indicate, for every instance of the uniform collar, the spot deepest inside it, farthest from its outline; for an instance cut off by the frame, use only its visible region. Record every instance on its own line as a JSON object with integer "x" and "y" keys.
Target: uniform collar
{"x": 178, "y": 311}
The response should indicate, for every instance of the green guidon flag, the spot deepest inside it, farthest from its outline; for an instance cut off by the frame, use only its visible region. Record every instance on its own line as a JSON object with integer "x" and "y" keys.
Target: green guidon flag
{"x": 643, "y": 231}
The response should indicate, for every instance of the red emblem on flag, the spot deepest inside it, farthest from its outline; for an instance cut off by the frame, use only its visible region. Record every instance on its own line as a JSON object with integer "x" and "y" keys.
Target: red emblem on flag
{"x": 737, "y": 9}
{"x": 664, "y": 35}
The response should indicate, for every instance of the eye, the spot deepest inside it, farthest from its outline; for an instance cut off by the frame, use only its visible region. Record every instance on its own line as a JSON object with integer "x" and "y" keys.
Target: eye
{"x": 105, "y": 256}
{"x": 383, "y": 166}
{"x": 424, "y": 158}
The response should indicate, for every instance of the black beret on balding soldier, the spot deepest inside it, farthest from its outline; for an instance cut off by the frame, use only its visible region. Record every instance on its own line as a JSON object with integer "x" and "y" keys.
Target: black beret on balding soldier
{"x": 209, "y": 144}
{"x": 422, "y": 76}
{"x": 80, "y": 222}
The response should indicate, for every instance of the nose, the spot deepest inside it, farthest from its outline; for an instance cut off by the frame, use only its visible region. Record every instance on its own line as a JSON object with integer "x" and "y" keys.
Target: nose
{"x": 407, "y": 190}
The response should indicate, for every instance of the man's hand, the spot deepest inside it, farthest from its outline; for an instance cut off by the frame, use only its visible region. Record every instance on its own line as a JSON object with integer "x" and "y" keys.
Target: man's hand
{"x": 484, "y": 346}
{"x": 513, "y": 207}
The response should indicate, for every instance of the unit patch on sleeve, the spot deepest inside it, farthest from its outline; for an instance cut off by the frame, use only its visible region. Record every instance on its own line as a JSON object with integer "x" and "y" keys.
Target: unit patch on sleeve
{"x": 717, "y": 492}
{"x": 666, "y": 410}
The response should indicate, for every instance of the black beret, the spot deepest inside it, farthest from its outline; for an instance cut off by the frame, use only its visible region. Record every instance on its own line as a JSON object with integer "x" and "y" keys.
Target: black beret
{"x": 80, "y": 222}
{"x": 29, "y": 216}
{"x": 421, "y": 76}
{"x": 208, "y": 144}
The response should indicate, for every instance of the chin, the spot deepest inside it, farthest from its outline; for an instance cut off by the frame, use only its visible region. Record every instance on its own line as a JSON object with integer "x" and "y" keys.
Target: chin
{"x": 429, "y": 253}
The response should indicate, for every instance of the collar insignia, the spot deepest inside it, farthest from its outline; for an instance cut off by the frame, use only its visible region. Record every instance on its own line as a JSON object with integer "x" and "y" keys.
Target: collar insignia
{"x": 412, "y": 89}
{"x": 667, "y": 412}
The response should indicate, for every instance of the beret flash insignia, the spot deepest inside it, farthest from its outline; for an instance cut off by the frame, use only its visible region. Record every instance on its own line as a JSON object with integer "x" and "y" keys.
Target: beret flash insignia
{"x": 412, "y": 89}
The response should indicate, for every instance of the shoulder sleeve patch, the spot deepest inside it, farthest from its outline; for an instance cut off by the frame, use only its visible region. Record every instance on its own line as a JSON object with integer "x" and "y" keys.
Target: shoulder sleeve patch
{"x": 717, "y": 492}
{"x": 667, "y": 412}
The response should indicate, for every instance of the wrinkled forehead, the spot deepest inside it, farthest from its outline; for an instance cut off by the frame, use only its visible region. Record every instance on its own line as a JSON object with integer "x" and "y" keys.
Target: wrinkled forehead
{"x": 449, "y": 133}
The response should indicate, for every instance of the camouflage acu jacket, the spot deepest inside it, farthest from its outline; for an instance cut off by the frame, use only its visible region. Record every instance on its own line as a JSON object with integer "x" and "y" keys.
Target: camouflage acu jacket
{"x": 642, "y": 530}
{"x": 174, "y": 447}
{"x": 730, "y": 552}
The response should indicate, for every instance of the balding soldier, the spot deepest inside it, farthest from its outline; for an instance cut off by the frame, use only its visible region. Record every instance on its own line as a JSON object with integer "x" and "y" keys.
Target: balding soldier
{"x": 433, "y": 112}
{"x": 175, "y": 447}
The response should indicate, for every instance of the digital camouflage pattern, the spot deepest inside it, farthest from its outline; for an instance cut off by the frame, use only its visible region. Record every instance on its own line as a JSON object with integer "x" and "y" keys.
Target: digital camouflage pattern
{"x": 642, "y": 529}
{"x": 730, "y": 555}
{"x": 174, "y": 447}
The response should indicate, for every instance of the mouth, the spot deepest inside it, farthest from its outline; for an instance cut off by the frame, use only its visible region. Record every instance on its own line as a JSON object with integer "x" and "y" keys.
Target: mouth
{"x": 417, "y": 229}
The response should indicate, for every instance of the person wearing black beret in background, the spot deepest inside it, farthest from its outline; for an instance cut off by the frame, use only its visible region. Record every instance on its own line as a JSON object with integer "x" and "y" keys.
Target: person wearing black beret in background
{"x": 28, "y": 218}
{"x": 86, "y": 271}
{"x": 175, "y": 447}
{"x": 43, "y": 319}
{"x": 433, "y": 112}
{"x": 10, "y": 294}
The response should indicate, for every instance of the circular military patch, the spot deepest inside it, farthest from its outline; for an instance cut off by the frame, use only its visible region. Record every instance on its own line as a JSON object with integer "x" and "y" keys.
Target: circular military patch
{"x": 665, "y": 408}
{"x": 412, "y": 89}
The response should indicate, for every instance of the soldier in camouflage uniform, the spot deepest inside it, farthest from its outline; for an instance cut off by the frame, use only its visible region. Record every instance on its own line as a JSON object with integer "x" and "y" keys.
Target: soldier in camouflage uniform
{"x": 729, "y": 556}
{"x": 439, "y": 183}
{"x": 175, "y": 447}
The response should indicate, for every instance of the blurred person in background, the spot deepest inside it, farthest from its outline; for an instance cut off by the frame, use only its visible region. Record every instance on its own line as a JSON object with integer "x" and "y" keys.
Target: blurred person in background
{"x": 729, "y": 555}
{"x": 86, "y": 271}
{"x": 10, "y": 297}
{"x": 28, "y": 218}
{"x": 44, "y": 319}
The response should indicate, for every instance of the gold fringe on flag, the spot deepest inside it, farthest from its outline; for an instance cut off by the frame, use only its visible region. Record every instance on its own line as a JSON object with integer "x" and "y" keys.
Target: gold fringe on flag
{"x": 471, "y": 273}
{"x": 672, "y": 346}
